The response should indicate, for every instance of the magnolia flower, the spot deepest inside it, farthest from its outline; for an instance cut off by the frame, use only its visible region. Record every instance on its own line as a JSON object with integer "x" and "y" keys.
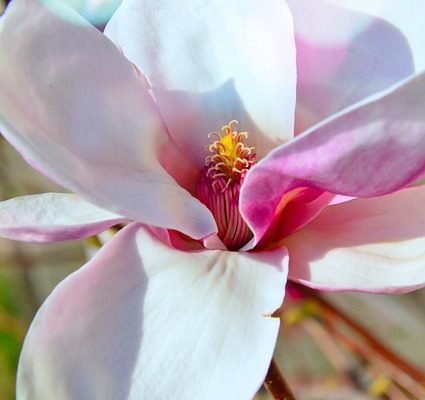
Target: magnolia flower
{"x": 178, "y": 304}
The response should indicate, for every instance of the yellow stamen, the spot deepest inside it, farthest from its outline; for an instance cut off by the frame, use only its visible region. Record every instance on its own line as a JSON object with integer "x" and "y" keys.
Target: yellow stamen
{"x": 229, "y": 155}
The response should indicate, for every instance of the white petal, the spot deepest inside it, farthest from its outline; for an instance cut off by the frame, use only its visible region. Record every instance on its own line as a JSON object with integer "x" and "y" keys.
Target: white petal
{"x": 77, "y": 110}
{"x": 145, "y": 321}
{"x": 213, "y": 61}
{"x": 51, "y": 217}
{"x": 373, "y": 245}
{"x": 408, "y": 17}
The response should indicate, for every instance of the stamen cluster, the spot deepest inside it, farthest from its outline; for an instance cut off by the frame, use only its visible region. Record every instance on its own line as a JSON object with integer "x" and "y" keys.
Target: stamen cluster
{"x": 230, "y": 157}
{"x": 221, "y": 181}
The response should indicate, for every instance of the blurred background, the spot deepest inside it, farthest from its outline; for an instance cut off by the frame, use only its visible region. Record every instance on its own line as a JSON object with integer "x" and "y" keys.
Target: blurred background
{"x": 319, "y": 362}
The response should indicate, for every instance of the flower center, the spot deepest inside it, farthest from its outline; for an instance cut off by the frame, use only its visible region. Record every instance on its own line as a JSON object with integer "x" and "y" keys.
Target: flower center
{"x": 222, "y": 178}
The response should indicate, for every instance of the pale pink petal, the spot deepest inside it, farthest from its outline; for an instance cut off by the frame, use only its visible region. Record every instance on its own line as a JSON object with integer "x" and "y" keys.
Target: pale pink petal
{"x": 213, "y": 242}
{"x": 213, "y": 61}
{"x": 343, "y": 56}
{"x": 368, "y": 150}
{"x": 77, "y": 109}
{"x": 341, "y": 199}
{"x": 374, "y": 245}
{"x": 52, "y": 217}
{"x": 407, "y": 17}
{"x": 145, "y": 321}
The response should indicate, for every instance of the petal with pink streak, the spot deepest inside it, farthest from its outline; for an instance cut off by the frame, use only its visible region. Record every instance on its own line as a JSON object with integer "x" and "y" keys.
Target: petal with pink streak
{"x": 298, "y": 211}
{"x": 343, "y": 56}
{"x": 52, "y": 217}
{"x": 77, "y": 109}
{"x": 371, "y": 149}
{"x": 146, "y": 321}
{"x": 209, "y": 62}
{"x": 372, "y": 245}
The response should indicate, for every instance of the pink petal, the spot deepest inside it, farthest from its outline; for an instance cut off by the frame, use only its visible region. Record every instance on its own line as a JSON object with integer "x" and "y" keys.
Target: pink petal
{"x": 145, "y": 321}
{"x": 343, "y": 56}
{"x": 368, "y": 150}
{"x": 299, "y": 207}
{"x": 52, "y": 217}
{"x": 213, "y": 61}
{"x": 77, "y": 109}
{"x": 373, "y": 245}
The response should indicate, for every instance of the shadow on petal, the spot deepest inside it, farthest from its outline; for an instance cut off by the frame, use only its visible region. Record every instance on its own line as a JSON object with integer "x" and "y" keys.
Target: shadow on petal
{"x": 84, "y": 341}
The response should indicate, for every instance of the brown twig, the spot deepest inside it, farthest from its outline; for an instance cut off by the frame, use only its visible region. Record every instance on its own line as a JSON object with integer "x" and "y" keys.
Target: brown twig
{"x": 367, "y": 336}
{"x": 276, "y": 384}
{"x": 326, "y": 344}
{"x": 371, "y": 355}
